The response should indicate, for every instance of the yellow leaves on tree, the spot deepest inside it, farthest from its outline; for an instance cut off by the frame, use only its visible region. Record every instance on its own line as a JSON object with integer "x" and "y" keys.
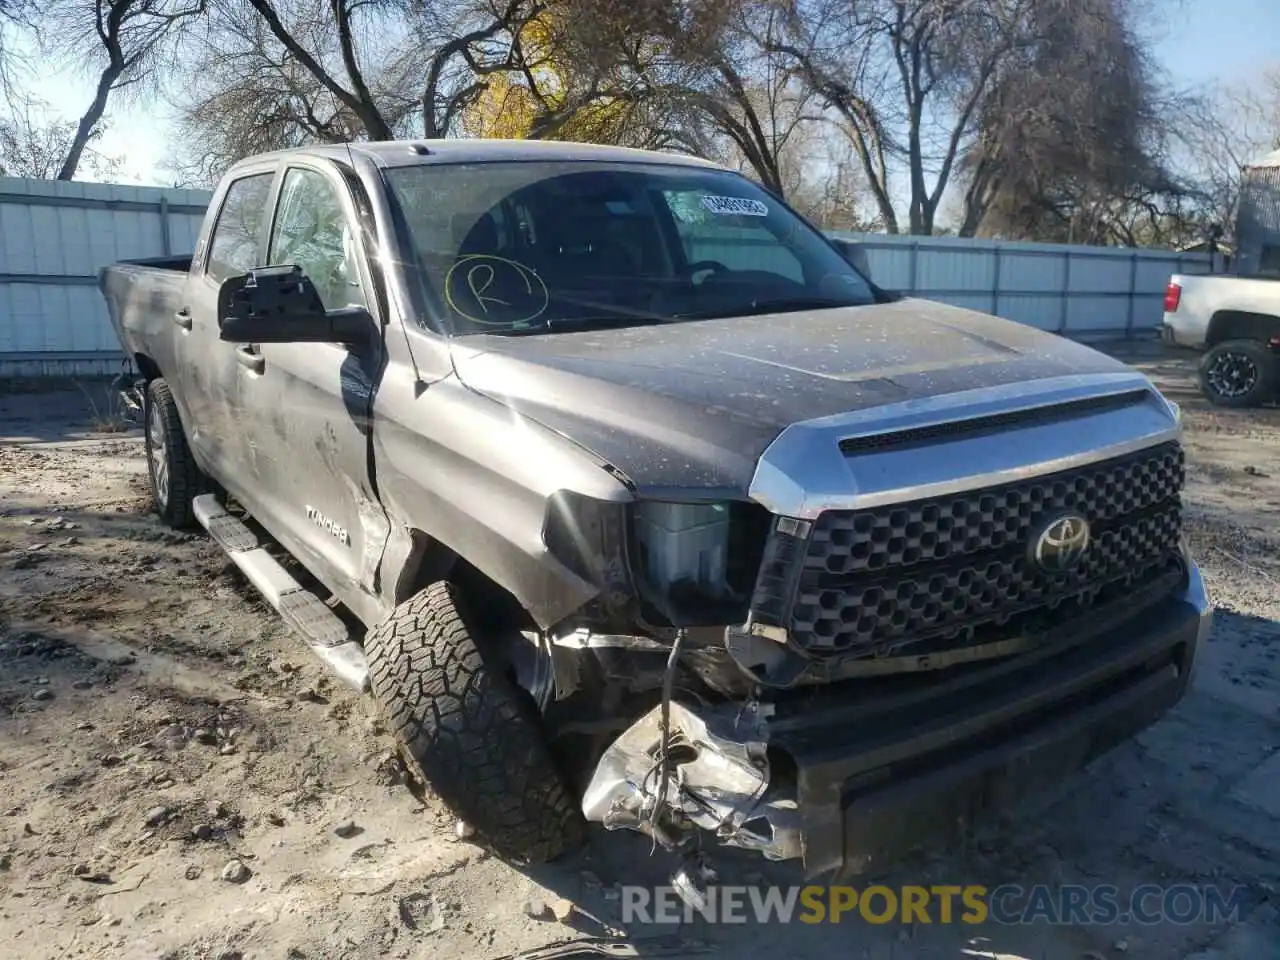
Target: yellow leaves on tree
{"x": 544, "y": 97}
{"x": 505, "y": 110}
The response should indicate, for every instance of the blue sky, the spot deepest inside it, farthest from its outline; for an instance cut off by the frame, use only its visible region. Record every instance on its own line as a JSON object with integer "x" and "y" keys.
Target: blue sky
{"x": 1199, "y": 42}
{"x": 1204, "y": 40}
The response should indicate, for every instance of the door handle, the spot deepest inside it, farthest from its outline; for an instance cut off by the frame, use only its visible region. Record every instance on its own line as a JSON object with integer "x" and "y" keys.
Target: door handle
{"x": 248, "y": 357}
{"x": 183, "y": 318}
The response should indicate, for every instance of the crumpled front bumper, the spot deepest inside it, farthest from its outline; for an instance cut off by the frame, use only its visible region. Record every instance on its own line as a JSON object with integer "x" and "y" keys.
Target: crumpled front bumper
{"x": 882, "y": 767}
{"x": 921, "y": 768}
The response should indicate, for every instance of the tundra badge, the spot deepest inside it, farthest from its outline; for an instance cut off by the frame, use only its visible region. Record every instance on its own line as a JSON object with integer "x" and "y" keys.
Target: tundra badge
{"x": 324, "y": 523}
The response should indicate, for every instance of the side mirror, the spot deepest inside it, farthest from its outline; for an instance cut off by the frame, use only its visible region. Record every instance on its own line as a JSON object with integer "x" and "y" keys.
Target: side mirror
{"x": 280, "y": 305}
{"x": 855, "y": 253}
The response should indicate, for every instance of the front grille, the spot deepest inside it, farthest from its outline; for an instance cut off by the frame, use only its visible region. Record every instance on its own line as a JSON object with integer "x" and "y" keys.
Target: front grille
{"x": 946, "y": 571}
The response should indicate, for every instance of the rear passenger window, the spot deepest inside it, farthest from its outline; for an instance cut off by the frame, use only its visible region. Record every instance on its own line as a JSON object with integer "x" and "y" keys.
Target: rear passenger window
{"x": 233, "y": 251}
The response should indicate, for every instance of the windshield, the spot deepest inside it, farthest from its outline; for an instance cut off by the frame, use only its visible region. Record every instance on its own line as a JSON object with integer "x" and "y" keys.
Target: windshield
{"x": 525, "y": 246}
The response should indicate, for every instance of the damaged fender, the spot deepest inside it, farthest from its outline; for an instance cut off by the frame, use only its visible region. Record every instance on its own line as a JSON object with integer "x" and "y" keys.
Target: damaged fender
{"x": 444, "y": 483}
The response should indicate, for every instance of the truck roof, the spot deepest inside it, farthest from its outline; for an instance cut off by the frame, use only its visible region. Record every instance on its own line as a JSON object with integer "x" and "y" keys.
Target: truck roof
{"x": 402, "y": 153}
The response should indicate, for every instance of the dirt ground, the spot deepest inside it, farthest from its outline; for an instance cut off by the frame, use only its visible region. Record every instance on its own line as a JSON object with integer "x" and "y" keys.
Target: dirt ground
{"x": 179, "y": 779}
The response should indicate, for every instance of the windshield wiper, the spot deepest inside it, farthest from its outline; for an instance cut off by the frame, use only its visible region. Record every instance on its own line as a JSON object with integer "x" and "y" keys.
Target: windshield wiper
{"x": 607, "y": 321}
{"x": 602, "y": 322}
{"x": 774, "y": 305}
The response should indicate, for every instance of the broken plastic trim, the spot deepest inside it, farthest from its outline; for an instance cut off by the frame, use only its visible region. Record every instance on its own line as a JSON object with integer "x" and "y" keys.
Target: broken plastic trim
{"x": 584, "y": 639}
{"x": 129, "y": 388}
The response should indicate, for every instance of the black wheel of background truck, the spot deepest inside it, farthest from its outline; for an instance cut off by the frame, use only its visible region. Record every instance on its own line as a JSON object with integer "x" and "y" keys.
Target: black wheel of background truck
{"x": 1239, "y": 373}
{"x": 175, "y": 478}
{"x": 469, "y": 732}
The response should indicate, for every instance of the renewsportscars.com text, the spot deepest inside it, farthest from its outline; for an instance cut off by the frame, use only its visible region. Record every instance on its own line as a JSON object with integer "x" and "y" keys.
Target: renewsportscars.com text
{"x": 939, "y": 903}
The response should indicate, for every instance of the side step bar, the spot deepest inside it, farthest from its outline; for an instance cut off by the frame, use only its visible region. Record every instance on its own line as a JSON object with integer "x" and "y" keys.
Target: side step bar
{"x": 327, "y": 636}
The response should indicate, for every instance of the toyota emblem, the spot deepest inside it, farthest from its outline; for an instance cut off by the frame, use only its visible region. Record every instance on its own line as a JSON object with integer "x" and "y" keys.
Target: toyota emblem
{"x": 1060, "y": 543}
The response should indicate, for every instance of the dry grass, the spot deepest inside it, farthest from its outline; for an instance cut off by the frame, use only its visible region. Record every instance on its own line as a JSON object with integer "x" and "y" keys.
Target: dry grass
{"x": 109, "y": 416}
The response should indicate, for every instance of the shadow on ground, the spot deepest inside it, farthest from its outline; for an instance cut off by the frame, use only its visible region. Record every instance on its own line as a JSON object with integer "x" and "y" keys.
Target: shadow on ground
{"x": 109, "y": 621}
{"x": 59, "y": 410}
{"x": 1165, "y": 807}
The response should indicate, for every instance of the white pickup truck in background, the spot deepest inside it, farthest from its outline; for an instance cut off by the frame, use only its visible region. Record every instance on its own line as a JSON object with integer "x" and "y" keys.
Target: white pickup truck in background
{"x": 1236, "y": 321}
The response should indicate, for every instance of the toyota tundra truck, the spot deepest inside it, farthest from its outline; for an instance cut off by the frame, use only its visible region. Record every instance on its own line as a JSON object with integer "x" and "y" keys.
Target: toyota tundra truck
{"x": 631, "y": 499}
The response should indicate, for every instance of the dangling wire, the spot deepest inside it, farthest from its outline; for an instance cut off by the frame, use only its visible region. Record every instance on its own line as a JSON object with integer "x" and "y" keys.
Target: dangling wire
{"x": 664, "y": 748}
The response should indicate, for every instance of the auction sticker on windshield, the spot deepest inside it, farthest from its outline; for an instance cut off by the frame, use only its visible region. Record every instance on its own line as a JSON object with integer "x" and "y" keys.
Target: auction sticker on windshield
{"x": 735, "y": 206}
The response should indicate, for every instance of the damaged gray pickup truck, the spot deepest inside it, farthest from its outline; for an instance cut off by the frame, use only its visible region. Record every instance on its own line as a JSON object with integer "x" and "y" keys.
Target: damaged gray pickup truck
{"x": 631, "y": 498}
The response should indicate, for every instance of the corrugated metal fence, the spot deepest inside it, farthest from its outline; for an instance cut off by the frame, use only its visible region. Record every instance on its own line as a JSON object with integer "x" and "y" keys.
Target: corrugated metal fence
{"x": 55, "y": 236}
{"x": 1073, "y": 290}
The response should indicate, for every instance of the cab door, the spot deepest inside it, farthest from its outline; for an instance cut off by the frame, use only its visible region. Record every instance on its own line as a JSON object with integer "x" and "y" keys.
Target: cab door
{"x": 208, "y": 379}
{"x": 304, "y": 448}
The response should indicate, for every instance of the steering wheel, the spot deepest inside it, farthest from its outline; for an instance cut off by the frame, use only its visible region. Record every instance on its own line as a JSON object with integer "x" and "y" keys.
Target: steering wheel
{"x": 698, "y": 266}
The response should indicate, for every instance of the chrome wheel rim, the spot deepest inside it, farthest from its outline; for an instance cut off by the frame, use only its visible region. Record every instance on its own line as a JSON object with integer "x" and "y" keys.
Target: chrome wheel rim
{"x": 158, "y": 455}
{"x": 1232, "y": 375}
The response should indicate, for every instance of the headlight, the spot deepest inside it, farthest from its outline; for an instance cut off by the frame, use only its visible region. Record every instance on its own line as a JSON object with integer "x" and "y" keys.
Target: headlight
{"x": 691, "y": 563}
{"x": 684, "y": 543}
{"x": 699, "y": 561}
{"x": 590, "y": 538}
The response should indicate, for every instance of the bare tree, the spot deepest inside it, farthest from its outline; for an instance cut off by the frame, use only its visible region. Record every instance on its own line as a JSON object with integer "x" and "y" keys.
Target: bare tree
{"x": 699, "y": 71}
{"x": 569, "y": 75}
{"x": 304, "y": 31}
{"x": 248, "y": 94}
{"x": 119, "y": 40}
{"x": 469, "y": 44}
{"x": 906, "y": 78}
{"x": 13, "y": 18}
{"x": 32, "y": 149}
{"x": 756, "y": 99}
{"x": 36, "y": 148}
{"x": 281, "y": 72}
{"x": 665, "y": 74}
{"x": 1072, "y": 140}
{"x": 824, "y": 180}
{"x": 1219, "y": 133}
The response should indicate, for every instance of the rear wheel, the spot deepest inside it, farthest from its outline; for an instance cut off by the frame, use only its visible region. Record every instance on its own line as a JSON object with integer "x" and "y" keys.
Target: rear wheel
{"x": 1239, "y": 373}
{"x": 468, "y": 731}
{"x": 175, "y": 478}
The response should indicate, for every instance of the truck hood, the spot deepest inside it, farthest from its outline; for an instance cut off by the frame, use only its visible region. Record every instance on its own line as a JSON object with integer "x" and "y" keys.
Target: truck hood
{"x": 691, "y": 405}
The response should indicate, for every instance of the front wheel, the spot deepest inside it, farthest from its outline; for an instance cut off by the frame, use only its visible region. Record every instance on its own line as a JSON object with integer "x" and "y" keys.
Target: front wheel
{"x": 468, "y": 731}
{"x": 1239, "y": 373}
{"x": 175, "y": 478}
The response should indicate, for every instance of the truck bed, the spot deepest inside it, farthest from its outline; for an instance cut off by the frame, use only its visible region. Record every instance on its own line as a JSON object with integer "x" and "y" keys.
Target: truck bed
{"x": 1202, "y": 297}
{"x": 142, "y": 296}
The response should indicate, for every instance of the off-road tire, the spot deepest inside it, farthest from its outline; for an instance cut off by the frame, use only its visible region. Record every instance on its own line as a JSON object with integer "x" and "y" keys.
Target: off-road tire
{"x": 175, "y": 478}
{"x": 469, "y": 732}
{"x": 1266, "y": 379}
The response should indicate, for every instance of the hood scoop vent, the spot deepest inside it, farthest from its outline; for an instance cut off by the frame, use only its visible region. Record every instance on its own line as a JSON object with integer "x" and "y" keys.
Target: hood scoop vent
{"x": 980, "y": 426}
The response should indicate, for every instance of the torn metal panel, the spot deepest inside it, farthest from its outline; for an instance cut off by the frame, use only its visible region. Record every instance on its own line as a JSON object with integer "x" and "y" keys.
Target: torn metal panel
{"x": 442, "y": 474}
{"x": 720, "y": 780}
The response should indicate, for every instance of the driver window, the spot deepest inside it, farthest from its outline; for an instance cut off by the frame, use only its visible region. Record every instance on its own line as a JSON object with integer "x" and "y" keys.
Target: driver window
{"x": 312, "y": 232}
